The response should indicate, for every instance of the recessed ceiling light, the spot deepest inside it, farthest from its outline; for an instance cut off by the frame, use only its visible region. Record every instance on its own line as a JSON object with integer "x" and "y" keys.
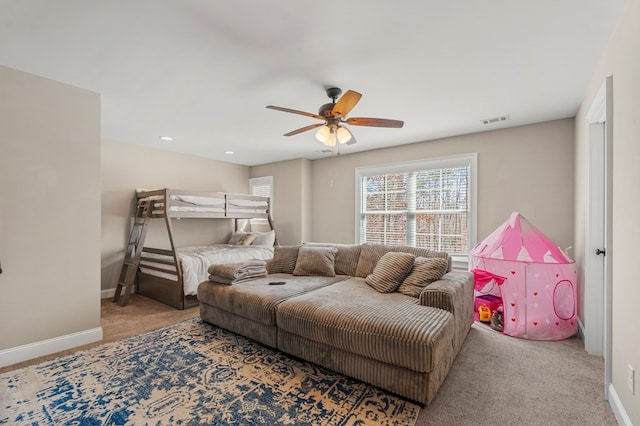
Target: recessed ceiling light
{"x": 166, "y": 138}
{"x": 229, "y": 152}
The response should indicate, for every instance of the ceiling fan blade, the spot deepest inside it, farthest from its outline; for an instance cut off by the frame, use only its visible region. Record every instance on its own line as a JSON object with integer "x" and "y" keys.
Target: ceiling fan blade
{"x": 295, "y": 111}
{"x": 374, "y": 122}
{"x": 303, "y": 129}
{"x": 346, "y": 103}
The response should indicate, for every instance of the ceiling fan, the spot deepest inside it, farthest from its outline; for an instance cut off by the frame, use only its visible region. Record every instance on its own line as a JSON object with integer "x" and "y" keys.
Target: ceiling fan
{"x": 334, "y": 117}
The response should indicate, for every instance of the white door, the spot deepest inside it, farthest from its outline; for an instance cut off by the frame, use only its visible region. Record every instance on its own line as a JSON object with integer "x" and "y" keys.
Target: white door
{"x": 598, "y": 250}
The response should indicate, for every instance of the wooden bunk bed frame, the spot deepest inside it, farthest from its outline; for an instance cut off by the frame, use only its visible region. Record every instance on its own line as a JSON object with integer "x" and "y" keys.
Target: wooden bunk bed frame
{"x": 160, "y": 203}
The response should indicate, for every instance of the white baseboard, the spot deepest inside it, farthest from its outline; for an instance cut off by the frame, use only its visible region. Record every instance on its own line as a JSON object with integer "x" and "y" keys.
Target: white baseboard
{"x": 46, "y": 347}
{"x": 618, "y": 409}
{"x": 110, "y": 292}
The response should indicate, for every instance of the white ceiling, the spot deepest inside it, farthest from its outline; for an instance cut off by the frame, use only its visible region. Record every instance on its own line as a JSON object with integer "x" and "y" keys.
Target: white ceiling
{"x": 202, "y": 71}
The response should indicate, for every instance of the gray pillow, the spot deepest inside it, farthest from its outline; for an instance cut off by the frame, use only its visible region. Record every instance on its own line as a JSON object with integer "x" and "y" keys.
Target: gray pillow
{"x": 317, "y": 261}
{"x": 284, "y": 259}
{"x": 346, "y": 258}
{"x": 425, "y": 271}
{"x": 390, "y": 270}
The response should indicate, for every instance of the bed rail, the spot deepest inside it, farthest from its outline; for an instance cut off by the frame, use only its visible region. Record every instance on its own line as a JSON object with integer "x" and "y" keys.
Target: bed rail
{"x": 174, "y": 203}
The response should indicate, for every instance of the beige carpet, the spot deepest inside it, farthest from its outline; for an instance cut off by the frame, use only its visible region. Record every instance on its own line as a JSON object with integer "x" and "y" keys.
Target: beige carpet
{"x": 140, "y": 315}
{"x": 494, "y": 380}
{"x": 501, "y": 380}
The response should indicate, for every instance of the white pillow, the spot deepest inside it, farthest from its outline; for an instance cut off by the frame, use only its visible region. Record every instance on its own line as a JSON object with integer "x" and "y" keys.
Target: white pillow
{"x": 264, "y": 238}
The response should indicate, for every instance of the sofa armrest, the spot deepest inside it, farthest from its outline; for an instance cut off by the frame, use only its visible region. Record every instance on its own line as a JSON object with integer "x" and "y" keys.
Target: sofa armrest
{"x": 453, "y": 293}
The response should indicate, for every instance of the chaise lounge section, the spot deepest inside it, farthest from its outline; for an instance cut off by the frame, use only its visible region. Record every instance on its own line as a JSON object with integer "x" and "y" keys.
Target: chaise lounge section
{"x": 386, "y": 319}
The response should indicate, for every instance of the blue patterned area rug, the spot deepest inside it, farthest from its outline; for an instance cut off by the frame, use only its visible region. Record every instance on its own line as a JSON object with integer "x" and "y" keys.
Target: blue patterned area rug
{"x": 191, "y": 373}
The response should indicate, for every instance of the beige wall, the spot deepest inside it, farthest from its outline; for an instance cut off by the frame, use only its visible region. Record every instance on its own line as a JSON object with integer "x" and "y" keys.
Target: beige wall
{"x": 527, "y": 169}
{"x": 49, "y": 215}
{"x": 622, "y": 60}
{"x": 292, "y": 209}
{"x": 126, "y": 167}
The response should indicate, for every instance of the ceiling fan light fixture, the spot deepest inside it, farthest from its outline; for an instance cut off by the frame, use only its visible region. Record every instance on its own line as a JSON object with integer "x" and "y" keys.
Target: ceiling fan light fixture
{"x": 331, "y": 140}
{"x": 323, "y": 134}
{"x": 343, "y": 134}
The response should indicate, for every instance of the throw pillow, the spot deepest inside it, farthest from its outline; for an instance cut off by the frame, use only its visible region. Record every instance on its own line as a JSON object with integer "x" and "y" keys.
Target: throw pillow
{"x": 284, "y": 259}
{"x": 246, "y": 240}
{"x": 425, "y": 271}
{"x": 235, "y": 237}
{"x": 318, "y": 261}
{"x": 346, "y": 258}
{"x": 390, "y": 270}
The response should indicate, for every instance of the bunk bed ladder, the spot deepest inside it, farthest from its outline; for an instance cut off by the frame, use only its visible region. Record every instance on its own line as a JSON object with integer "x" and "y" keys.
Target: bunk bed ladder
{"x": 134, "y": 251}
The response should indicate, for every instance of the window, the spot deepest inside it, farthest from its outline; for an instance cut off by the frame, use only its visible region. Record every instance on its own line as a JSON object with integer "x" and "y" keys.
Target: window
{"x": 429, "y": 203}
{"x": 262, "y": 186}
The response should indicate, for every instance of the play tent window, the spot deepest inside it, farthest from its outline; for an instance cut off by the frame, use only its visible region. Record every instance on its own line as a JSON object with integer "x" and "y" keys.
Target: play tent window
{"x": 428, "y": 203}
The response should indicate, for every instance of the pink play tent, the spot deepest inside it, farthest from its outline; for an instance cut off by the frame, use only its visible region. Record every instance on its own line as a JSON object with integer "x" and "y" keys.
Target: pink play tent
{"x": 536, "y": 280}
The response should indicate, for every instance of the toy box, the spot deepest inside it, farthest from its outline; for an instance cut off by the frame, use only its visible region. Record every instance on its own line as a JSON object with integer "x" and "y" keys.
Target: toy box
{"x": 488, "y": 300}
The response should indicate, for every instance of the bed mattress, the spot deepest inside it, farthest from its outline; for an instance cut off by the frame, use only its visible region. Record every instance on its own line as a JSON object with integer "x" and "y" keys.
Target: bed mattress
{"x": 195, "y": 262}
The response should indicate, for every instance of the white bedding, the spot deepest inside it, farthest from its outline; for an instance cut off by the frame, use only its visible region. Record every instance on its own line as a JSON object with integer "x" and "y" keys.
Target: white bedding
{"x": 196, "y": 209}
{"x": 195, "y": 262}
{"x": 200, "y": 201}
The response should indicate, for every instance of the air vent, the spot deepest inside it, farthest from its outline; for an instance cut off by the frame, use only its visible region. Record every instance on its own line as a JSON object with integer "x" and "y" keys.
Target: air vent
{"x": 495, "y": 119}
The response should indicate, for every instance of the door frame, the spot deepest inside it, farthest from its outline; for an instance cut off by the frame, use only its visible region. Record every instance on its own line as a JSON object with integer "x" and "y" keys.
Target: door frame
{"x": 598, "y": 295}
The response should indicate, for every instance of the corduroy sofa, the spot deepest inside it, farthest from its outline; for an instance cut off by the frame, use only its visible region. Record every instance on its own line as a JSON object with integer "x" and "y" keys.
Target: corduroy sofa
{"x": 386, "y": 315}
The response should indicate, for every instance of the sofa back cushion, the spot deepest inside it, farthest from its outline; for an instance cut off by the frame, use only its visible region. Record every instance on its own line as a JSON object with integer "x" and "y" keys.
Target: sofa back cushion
{"x": 425, "y": 270}
{"x": 390, "y": 271}
{"x": 346, "y": 257}
{"x": 316, "y": 261}
{"x": 284, "y": 259}
{"x": 370, "y": 254}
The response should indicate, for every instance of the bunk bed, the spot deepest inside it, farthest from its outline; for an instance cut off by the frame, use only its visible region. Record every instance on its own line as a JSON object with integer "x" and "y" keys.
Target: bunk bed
{"x": 172, "y": 275}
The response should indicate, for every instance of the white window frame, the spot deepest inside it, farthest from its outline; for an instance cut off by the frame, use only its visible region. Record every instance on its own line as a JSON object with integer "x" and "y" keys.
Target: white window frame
{"x": 263, "y": 181}
{"x": 471, "y": 160}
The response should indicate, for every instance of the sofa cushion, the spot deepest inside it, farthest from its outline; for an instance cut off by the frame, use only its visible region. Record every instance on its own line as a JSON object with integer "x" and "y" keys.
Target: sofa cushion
{"x": 390, "y": 270}
{"x": 316, "y": 261}
{"x": 388, "y": 327}
{"x": 346, "y": 258}
{"x": 371, "y": 253}
{"x": 256, "y": 299}
{"x": 425, "y": 271}
{"x": 284, "y": 259}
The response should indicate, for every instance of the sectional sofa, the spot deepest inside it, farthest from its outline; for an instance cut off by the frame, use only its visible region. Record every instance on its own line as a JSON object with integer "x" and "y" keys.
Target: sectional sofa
{"x": 391, "y": 316}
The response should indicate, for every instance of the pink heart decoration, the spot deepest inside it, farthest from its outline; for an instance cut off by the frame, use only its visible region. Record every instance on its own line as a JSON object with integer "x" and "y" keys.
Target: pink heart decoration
{"x": 535, "y": 323}
{"x": 513, "y": 319}
{"x": 535, "y": 293}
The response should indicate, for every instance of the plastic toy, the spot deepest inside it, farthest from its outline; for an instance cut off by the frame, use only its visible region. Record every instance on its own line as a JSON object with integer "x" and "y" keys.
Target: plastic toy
{"x": 484, "y": 313}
